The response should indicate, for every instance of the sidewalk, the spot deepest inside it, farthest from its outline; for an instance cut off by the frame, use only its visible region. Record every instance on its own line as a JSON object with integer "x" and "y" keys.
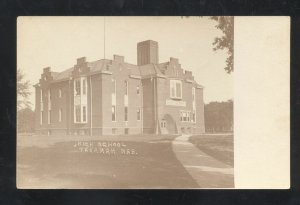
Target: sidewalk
{"x": 207, "y": 171}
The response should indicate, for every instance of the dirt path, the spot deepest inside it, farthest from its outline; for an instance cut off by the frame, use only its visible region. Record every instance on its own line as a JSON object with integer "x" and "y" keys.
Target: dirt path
{"x": 206, "y": 170}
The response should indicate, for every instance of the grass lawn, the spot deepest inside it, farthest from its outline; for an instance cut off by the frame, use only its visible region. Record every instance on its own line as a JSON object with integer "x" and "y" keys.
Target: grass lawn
{"x": 55, "y": 162}
{"x": 217, "y": 146}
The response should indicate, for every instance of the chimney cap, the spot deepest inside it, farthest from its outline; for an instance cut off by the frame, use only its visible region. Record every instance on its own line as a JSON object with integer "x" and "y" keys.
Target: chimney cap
{"x": 148, "y": 41}
{"x": 47, "y": 69}
{"x": 81, "y": 60}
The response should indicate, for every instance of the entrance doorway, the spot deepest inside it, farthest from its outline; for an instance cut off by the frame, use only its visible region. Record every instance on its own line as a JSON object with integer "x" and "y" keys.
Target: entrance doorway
{"x": 168, "y": 125}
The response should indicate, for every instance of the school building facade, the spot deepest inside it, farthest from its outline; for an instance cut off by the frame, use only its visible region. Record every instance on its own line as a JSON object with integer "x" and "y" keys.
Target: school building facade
{"x": 107, "y": 97}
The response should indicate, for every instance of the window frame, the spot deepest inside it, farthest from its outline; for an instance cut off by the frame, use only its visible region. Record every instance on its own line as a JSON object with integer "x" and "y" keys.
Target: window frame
{"x": 78, "y": 114}
{"x": 84, "y": 114}
{"x": 185, "y": 116}
{"x": 59, "y": 115}
{"x": 126, "y": 87}
{"x": 173, "y": 86}
{"x": 59, "y": 93}
{"x": 113, "y": 113}
{"x": 84, "y": 86}
{"x": 77, "y": 87}
{"x": 126, "y": 113}
{"x": 138, "y": 114}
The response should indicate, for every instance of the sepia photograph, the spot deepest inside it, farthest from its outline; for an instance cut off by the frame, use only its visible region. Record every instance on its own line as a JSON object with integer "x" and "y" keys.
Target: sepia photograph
{"x": 125, "y": 102}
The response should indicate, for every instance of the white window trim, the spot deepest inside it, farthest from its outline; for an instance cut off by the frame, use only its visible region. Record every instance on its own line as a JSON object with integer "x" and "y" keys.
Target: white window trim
{"x": 75, "y": 116}
{"x": 41, "y": 101}
{"x": 140, "y": 114}
{"x": 115, "y": 113}
{"x": 81, "y": 100}
{"x": 84, "y": 121}
{"x": 186, "y": 112}
{"x": 194, "y": 104}
{"x": 173, "y": 83}
{"x": 126, "y": 87}
{"x": 49, "y": 99}
{"x": 59, "y": 93}
{"x": 126, "y": 120}
{"x": 49, "y": 116}
{"x": 83, "y": 86}
{"x": 59, "y": 115}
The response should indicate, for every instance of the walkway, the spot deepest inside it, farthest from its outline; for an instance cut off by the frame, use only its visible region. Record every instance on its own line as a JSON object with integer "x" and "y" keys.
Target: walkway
{"x": 207, "y": 171}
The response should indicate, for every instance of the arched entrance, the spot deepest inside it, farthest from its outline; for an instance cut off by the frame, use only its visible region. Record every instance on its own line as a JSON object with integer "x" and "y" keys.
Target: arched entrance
{"x": 168, "y": 125}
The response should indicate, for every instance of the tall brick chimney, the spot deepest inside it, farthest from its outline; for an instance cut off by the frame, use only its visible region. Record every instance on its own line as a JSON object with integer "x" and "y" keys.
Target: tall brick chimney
{"x": 147, "y": 52}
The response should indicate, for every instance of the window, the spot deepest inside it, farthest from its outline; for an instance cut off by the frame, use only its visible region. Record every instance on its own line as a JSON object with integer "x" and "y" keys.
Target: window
{"x": 126, "y": 87}
{"x": 77, "y": 87}
{"x": 77, "y": 113}
{"x": 41, "y": 117}
{"x": 185, "y": 116}
{"x": 193, "y": 94}
{"x": 41, "y": 101}
{"x": 138, "y": 89}
{"x": 163, "y": 124}
{"x": 84, "y": 87}
{"x": 41, "y": 95}
{"x": 176, "y": 89}
{"x": 194, "y": 116}
{"x": 59, "y": 93}
{"x": 59, "y": 115}
{"x": 84, "y": 113}
{"x": 49, "y": 116}
{"x": 126, "y": 114}
{"x": 113, "y": 81}
{"x": 113, "y": 113}
{"x": 49, "y": 99}
{"x": 138, "y": 114}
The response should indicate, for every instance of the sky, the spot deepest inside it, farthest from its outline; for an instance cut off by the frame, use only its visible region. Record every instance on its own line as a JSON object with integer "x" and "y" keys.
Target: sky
{"x": 58, "y": 41}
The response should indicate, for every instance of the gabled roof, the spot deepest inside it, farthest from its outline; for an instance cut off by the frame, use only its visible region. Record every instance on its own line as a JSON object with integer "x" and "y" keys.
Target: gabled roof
{"x": 63, "y": 75}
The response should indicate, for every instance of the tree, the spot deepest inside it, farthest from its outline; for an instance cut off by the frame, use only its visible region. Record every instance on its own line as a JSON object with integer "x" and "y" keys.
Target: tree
{"x": 22, "y": 90}
{"x": 226, "y": 25}
{"x": 218, "y": 116}
{"x": 25, "y": 121}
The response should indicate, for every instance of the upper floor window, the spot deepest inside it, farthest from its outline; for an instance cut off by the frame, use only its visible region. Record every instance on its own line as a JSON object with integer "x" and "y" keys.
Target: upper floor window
{"x": 49, "y": 99}
{"x": 83, "y": 86}
{"x": 126, "y": 87}
{"x": 176, "y": 89}
{"x": 193, "y": 93}
{"x": 77, "y": 87}
{"x": 41, "y": 100}
{"x": 113, "y": 82}
{"x": 59, "y": 93}
{"x": 138, "y": 89}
